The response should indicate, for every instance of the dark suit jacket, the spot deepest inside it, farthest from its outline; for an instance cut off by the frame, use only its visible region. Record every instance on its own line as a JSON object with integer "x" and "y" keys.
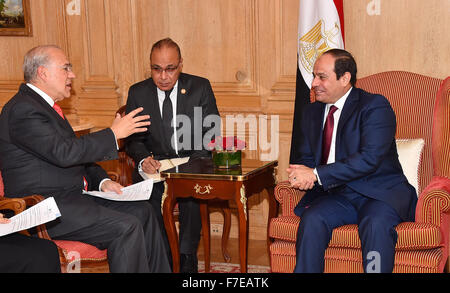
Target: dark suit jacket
{"x": 193, "y": 91}
{"x": 40, "y": 154}
{"x": 366, "y": 153}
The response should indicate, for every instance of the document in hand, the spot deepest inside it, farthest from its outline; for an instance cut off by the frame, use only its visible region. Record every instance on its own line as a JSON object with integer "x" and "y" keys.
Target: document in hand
{"x": 165, "y": 165}
{"x": 41, "y": 213}
{"x": 135, "y": 192}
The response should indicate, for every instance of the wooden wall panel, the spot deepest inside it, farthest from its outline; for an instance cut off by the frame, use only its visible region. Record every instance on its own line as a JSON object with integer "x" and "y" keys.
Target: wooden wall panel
{"x": 247, "y": 48}
{"x": 410, "y": 35}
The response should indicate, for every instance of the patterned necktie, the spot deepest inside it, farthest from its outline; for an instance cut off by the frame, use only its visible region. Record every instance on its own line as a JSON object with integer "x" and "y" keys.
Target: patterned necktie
{"x": 58, "y": 110}
{"x": 328, "y": 135}
{"x": 167, "y": 117}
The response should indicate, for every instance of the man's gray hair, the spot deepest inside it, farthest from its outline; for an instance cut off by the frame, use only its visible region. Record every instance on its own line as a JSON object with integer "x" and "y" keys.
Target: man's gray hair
{"x": 38, "y": 56}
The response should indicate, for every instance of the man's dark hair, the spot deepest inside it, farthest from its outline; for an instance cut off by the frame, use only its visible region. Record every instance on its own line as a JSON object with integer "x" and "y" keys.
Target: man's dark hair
{"x": 165, "y": 43}
{"x": 344, "y": 62}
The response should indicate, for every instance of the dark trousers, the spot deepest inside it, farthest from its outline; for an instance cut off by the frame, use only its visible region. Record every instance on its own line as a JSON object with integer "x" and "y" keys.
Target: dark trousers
{"x": 130, "y": 232}
{"x": 376, "y": 227}
{"x": 189, "y": 219}
{"x": 23, "y": 254}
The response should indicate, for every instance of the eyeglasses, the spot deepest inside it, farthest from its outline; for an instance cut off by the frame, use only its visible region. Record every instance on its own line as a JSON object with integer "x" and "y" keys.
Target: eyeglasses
{"x": 169, "y": 69}
{"x": 67, "y": 67}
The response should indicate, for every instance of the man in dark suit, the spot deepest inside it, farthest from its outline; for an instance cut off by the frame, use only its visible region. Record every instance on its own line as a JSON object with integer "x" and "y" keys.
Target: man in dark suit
{"x": 23, "y": 254}
{"x": 170, "y": 97}
{"x": 349, "y": 166}
{"x": 40, "y": 154}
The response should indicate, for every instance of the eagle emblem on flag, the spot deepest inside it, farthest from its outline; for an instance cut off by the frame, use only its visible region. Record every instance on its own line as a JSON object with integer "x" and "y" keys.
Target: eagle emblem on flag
{"x": 315, "y": 42}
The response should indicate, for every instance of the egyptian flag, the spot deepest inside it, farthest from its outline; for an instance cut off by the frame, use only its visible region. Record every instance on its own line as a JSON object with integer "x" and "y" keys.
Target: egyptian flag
{"x": 320, "y": 28}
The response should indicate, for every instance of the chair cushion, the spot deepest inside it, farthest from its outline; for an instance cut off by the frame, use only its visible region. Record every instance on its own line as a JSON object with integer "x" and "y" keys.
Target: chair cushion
{"x": 410, "y": 155}
{"x": 411, "y": 235}
{"x": 86, "y": 251}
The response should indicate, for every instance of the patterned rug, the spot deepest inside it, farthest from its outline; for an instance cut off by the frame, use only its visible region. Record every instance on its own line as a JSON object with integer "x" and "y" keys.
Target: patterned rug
{"x": 219, "y": 267}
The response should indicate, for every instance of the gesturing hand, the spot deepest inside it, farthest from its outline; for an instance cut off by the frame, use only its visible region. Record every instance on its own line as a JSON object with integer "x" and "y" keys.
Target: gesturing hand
{"x": 129, "y": 124}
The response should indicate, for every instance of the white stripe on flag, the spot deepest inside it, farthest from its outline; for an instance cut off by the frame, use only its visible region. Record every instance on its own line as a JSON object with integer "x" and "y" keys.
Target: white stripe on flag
{"x": 319, "y": 30}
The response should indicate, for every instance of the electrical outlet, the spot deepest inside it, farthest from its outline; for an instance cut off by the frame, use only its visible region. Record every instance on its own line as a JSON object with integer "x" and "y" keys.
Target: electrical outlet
{"x": 216, "y": 229}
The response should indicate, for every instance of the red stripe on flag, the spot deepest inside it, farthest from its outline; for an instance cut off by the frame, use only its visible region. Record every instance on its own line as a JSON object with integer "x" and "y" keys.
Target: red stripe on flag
{"x": 340, "y": 9}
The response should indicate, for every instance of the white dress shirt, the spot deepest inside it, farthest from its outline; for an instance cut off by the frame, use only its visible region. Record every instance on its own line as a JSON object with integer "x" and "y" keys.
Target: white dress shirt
{"x": 336, "y": 115}
{"x": 173, "y": 99}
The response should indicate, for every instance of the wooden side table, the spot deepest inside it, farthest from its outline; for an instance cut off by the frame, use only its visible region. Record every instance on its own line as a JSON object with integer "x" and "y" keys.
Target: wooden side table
{"x": 199, "y": 179}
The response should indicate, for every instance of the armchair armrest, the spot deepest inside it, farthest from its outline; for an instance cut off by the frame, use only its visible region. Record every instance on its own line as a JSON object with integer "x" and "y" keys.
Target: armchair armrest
{"x": 288, "y": 197}
{"x": 17, "y": 205}
{"x": 433, "y": 205}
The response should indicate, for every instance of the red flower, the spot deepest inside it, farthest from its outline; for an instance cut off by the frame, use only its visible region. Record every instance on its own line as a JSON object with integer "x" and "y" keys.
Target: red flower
{"x": 226, "y": 143}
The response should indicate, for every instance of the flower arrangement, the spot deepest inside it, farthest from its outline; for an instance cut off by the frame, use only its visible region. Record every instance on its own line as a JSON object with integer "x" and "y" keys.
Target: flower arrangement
{"x": 227, "y": 143}
{"x": 226, "y": 151}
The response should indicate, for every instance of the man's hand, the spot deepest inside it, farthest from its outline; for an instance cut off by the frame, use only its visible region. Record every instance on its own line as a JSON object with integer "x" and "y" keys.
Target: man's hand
{"x": 150, "y": 165}
{"x": 4, "y": 220}
{"x": 301, "y": 177}
{"x": 111, "y": 186}
{"x": 129, "y": 124}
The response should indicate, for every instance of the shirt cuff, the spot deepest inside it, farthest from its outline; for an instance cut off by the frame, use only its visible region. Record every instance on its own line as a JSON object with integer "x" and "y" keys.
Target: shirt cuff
{"x": 317, "y": 175}
{"x": 101, "y": 183}
{"x": 140, "y": 165}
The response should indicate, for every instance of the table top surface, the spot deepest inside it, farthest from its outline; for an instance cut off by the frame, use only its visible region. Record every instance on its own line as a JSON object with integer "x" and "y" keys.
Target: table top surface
{"x": 203, "y": 168}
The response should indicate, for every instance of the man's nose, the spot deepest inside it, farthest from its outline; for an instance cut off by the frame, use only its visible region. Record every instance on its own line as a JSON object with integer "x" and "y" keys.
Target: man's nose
{"x": 315, "y": 82}
{"x": 164, "y": 74}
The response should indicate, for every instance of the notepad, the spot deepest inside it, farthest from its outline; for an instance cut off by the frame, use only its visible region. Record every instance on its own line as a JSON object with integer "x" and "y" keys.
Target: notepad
{"x": 165, "y": 165}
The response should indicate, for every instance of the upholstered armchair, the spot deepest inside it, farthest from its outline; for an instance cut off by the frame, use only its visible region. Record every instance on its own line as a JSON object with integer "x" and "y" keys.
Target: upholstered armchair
{"x": 422, "y": 106}
{"x": 74, "y": 256}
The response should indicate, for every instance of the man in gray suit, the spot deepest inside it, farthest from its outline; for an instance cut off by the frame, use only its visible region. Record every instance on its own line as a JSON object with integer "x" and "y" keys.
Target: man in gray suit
{"x": 40, "y": 154}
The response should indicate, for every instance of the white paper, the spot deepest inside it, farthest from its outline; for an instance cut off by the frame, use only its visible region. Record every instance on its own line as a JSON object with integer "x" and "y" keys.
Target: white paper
{"x": 165, "y": 165}
{"x": 41, "y": 213}
{"x": 135, "y": 192}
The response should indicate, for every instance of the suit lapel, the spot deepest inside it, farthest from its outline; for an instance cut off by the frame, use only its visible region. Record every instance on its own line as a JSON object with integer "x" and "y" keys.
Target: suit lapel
{"x": 316, "y": 130}
{"x": 46, "y": 107}
{"x": 181, "y": 94}
{"x": 347, "y": 112}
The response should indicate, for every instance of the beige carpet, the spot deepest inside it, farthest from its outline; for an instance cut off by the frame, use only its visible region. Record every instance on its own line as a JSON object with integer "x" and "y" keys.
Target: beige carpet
{"x": 217, "y": 267}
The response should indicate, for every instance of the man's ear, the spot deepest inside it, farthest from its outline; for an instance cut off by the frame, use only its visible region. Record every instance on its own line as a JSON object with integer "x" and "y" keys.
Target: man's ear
{"x": 42, "y": 73}
{"x": 345, "y": 79}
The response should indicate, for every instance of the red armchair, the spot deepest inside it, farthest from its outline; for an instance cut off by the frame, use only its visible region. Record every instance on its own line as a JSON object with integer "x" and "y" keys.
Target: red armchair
{"x": 74, "y": 256}
{"x": 422, "y": 106}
